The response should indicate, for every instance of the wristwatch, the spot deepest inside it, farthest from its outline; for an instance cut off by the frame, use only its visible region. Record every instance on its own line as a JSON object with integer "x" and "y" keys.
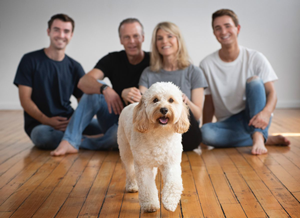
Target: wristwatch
{"x": 102, "y": 88}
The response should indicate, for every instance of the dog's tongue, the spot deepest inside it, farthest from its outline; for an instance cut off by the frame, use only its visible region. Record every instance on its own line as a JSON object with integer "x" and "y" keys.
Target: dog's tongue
{"x": 163, "y": 120}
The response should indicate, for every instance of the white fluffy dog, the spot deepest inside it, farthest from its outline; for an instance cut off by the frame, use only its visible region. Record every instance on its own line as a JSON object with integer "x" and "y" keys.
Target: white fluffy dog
{"x": 149, "y": 136}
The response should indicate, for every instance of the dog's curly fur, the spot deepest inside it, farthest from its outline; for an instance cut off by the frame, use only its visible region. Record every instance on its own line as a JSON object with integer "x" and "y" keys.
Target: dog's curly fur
{"x": 149, "y": 136}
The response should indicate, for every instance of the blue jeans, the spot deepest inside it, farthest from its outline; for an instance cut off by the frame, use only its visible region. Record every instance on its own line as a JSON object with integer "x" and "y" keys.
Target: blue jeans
{"x": 47, "y": 138}
{"x": 89, "y": 106}
{"x": 234, "y": 131}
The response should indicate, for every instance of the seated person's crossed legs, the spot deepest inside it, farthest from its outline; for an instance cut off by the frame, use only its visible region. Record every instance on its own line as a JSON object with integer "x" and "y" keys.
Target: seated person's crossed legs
{"x": 235, "y": 131}
{"x": 89, "y": 106}
{"x": 47, "y": 138}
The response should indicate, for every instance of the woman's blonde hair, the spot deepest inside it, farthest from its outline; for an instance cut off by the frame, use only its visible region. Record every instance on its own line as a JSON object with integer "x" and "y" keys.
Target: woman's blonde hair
{"x": 156, "y": 61}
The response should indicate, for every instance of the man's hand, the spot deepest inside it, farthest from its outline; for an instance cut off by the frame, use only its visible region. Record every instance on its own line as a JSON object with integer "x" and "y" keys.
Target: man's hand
{"x": 58, "y": 123}
{"x": 131, "y": 95}
{"x": 113, "y": 101}
{"x": 260, "y": 120}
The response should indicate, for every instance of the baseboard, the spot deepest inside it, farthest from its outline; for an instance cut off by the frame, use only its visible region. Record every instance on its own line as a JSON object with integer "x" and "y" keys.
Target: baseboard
{"x": 10, "y": 106}
{"x": 288, "y": 104}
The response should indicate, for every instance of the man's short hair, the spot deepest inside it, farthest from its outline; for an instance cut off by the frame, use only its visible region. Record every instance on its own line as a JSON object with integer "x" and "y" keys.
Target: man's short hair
{"x": 223, "y": 12}
{"x": 62, "y": 17}
{"x": 130, "y": 20}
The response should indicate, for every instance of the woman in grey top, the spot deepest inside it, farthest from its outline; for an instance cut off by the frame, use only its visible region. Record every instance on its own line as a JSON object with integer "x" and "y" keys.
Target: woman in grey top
{"x": 170, "y": 63}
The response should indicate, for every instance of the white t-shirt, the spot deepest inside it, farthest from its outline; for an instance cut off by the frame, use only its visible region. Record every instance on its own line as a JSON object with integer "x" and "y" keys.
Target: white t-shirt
{"x": 227, "y": 80}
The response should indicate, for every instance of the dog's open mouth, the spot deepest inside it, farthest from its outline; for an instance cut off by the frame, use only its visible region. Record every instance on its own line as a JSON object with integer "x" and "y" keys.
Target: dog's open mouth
{"x": 163, "y": 120}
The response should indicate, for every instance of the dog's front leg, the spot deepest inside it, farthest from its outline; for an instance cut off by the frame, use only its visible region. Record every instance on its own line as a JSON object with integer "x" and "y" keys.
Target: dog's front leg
{"x": 172, "y": 190}
{"x": 148, "y": 194}
{"x": 131, "y": 183}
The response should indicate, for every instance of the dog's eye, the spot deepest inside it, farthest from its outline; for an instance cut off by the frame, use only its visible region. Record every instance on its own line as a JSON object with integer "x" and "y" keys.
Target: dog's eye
{"x": 155, "y": 100}
{"x": 171, "y": 100}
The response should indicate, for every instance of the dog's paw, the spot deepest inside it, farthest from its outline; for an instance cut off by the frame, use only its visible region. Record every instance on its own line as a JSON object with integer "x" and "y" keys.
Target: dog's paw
{"x": 132, "y": 188}
{"x": 150, "y": 208}
{"x": 171, "y": 206}
{"x": 171, "y": 200}
{"x": 171, "y": 194}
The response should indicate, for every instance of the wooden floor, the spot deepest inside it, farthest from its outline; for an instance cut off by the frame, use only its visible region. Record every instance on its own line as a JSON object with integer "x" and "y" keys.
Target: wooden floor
{"x": 219, "y": 183}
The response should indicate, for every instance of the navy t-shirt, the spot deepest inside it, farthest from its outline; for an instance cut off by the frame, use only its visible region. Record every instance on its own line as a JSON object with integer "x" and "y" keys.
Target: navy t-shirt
{"x": 52, "y": 83}
{"x": 120, "y": 72}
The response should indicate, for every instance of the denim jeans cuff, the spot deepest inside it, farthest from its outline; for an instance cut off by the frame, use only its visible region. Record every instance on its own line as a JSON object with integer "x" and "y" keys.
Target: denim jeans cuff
{"x": 264, "y": 133}
{"x": 71, "y": 142}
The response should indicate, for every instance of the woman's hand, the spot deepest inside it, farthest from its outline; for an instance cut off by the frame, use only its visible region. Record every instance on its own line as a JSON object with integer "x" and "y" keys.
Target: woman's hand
{"x": 185, "y": 98}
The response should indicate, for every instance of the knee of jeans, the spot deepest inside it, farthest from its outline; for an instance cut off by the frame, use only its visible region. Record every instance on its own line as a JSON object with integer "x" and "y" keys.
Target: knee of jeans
{"x": 254, "y": 80}
{"x": 254, "y": 83}
{"x": 209, "y": 135}
{"x": 40, "y": 137}
{"x": 89, "y": 97}
{"x": 92, "y": 100}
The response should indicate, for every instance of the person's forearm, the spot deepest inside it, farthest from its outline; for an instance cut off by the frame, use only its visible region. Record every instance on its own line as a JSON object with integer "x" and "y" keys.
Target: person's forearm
{"x": 195, "y": 110}
{"x": 89, "y": 85}
{"x": 30, "y": 107}
{"x": 271, "y": 102}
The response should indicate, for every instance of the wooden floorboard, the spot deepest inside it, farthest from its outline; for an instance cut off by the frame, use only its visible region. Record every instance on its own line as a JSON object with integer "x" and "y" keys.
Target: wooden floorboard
{"x": 219, "y": 183}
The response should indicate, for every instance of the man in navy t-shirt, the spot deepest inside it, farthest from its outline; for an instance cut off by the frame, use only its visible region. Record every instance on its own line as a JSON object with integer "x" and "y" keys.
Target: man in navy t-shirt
{"x": 124, "y": 69}
{"x": 46, "y": 80}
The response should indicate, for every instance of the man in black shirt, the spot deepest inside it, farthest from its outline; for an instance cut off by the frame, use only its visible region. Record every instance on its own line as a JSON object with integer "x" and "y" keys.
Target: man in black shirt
{"x": 123, "y": 69}
{"x": 46, "y": 79}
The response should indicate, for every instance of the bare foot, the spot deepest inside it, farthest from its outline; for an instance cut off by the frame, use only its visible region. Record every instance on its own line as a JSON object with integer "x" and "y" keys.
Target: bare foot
{"x": 64, "y": 148}
{"x": 258, "y": 144}
{"x": 278, "y": 140}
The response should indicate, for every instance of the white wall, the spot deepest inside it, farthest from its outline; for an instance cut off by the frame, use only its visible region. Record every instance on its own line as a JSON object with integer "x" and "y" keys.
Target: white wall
{"x": 270, "y": 26}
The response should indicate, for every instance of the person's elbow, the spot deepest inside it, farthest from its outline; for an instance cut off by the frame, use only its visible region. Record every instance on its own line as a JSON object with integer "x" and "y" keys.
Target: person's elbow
{"x": 81, "y": 85}
{"x": 24, "y": 101}
{"x": 199, "y": 115}
{"x": 23, "y": 104}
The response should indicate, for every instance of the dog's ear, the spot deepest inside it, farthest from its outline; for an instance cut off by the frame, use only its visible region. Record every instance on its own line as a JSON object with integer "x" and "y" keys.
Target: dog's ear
{"x": 183, "y": 123}
{"x": 140, "y": 119}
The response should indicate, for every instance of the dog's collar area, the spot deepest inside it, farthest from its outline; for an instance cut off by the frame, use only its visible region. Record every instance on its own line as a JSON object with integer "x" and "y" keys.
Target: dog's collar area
{"x": 163, "y": 120}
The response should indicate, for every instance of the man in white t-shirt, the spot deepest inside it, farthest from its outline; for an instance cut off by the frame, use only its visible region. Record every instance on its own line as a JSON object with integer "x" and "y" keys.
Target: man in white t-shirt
{"x": 240, "y": 91}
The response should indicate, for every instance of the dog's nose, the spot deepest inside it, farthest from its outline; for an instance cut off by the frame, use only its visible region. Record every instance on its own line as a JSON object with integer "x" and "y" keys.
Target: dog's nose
{"x": 164, "y": 110}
